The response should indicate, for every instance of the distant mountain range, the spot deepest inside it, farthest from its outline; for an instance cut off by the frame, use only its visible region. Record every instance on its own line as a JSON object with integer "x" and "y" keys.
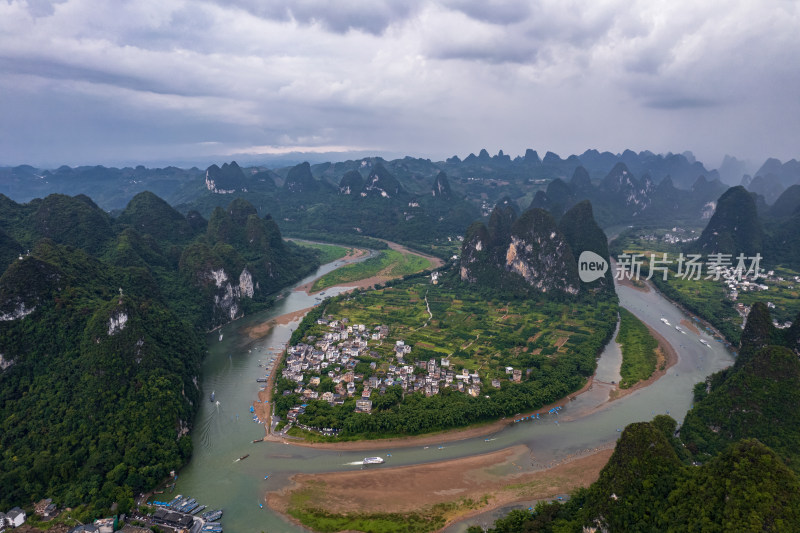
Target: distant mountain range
{"x": 429, "y": 204}
{"x": 113, "y": 187}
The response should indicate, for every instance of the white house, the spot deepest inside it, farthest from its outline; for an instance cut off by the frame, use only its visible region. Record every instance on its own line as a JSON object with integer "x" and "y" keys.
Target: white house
{"x": 15, "y": 517}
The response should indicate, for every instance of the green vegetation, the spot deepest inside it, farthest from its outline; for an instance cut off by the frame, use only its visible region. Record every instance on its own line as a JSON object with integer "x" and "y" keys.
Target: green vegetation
{"x": 327, "y": 253}
{"x": 302, "y": 507}
{"x": 102, "y": 338}
{"x": 706, "y": 299}
{"x": 757, "y": 397}
{"x": 750, "y": 400}
{"x": 639, "y": 356}
{"x": 645, "y": 487}
{"x": 553, "y": 344}
{"x": 734, "y": 227}
{"x": 78, "y": 515}
{"x": 319, "y": 520}
{"x": 744, "y": 428}
{"x": 91, "y": 412}
{"x": 710, "y": 300}
{"x": 389, "y": 263}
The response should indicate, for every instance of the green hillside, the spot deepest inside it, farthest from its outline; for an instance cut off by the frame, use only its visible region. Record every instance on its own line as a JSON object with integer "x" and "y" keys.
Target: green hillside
{"x": 101, "y": 337}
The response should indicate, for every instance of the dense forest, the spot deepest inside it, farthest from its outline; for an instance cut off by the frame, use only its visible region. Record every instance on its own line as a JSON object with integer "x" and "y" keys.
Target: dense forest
{"x": 101, "y": 337}
{"x": 646, "y": 487}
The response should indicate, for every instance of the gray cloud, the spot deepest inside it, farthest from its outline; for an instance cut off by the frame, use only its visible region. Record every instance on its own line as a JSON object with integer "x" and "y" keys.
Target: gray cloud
{"x": 493, "y": 52}
{"x": 134, "y": 79}
{"x": 680, "y": 102}
{"x": 340, "y": 16}
{"x": 501, "y": 12}
{"x": 43, "y": 8}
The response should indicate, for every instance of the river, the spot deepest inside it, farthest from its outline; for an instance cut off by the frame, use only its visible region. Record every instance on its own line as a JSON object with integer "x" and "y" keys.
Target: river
{"x": 223, "y": 433}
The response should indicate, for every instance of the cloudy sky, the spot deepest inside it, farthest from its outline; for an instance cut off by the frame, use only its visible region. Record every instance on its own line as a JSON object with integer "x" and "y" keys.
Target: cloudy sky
{"x": 92, "y": 82}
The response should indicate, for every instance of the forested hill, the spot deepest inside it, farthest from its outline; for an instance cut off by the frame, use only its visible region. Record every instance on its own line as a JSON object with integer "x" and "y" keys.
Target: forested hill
{"x": 532, "y": 253}
{"x": 646, "y": 487}
{"x": 210, "y": 272}
{"x": 759, "y": 396}
{"x": 742, "y": 223}
{"x": 101, "y": 337}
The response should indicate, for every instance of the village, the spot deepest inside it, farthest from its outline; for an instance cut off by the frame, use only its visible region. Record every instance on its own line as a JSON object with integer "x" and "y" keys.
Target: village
{"x": 346, "y": 354}
{"x": 737, "y": 285}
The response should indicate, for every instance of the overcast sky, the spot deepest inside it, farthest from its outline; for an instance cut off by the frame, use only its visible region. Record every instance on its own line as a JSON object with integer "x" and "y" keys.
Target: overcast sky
{"x": 93, "y": 82}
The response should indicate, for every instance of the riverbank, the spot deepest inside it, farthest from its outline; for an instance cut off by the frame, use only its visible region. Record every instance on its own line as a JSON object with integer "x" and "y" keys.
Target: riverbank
{"x": 461, "y": 487}
{"x": 435, "y": 261}
{"x": 667, "y": 358}
{"x": 399, "y": 262}
{"x": 353, "y": 254}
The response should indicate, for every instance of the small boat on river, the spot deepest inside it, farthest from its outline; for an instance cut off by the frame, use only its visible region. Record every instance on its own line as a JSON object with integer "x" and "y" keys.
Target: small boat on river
{"x": 373, "y": 460}
{"x": 210, "y": 516}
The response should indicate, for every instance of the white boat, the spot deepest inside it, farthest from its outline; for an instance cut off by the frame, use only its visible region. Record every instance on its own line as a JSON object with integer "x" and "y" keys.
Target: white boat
{"x": 220, "y": 337}
{"x": 373, "y": 460}
{"x": 679, "y": 328}
{"x": 665, "y": 321}
{"x": 705, "y": 342}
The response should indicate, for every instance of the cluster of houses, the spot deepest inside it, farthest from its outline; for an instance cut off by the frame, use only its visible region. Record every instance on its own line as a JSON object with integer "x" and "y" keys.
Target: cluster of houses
{"x": 338, "y": 352}
{"x": 13, "y": 518}
{"x": 737, "y": 283}
{"x": 736, "y": 286}
{"x": 676, "y": 236}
